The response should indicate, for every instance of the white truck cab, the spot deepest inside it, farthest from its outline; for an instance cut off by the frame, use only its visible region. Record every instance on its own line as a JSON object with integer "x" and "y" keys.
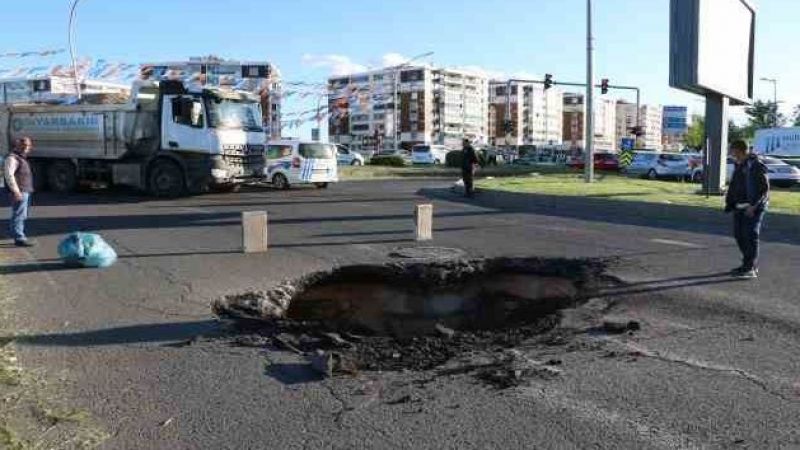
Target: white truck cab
{"x": 291, "y": 162}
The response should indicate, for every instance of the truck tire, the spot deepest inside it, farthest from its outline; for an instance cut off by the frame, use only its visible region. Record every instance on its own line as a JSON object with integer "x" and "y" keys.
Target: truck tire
{"x": 165, "y": 179}
{"x": 39, "y": 169}
{"x": 279, "y": 181}
{"x": 61, "y": 176}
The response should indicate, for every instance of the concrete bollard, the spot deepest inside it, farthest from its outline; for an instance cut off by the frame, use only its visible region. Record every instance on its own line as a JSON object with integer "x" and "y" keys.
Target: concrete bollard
{"x": 254, "y": 231}
{"x": 423, "y": 216}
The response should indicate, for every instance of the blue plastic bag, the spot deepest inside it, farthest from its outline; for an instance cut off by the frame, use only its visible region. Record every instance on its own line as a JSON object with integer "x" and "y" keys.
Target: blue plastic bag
{"x": 86, "y": 250}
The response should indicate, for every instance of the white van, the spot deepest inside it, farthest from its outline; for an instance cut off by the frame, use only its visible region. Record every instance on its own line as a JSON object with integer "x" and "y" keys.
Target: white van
{"x": 428, "y": 154}
{"x": 300, "y": 162}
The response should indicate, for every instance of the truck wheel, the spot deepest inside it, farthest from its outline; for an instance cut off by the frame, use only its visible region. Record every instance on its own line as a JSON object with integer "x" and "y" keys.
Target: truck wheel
{"x": 61, "y": 176}
{"x": 279, "y": 181}
{"x": 321, "y": 185}
{"x": 39, "y": 170}
{"x": 166, "y": 179}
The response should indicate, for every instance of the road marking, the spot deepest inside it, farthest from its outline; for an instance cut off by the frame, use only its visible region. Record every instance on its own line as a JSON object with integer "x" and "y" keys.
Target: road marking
{"x": 676, "y": 243}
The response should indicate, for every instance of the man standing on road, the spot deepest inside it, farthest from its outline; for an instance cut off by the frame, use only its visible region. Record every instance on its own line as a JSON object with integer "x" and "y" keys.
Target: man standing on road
{"x": 468, "y": 162}
{"x": 19, "y": 181}
{"x": 747, "y": 198}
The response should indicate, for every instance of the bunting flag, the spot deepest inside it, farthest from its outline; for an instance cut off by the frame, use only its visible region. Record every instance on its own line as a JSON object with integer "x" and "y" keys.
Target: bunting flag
{"x": 34, "y": 53}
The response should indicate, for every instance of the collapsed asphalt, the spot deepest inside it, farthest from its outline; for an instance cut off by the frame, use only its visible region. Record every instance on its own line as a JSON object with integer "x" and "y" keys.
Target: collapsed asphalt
{"x": 714, "y": 358}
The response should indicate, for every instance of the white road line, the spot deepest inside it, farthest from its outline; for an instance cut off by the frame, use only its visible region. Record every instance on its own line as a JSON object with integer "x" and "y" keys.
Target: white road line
{"x": 676, "y": 243}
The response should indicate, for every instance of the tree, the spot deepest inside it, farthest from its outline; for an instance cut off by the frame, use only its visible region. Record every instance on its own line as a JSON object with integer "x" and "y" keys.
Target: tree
{"x": 764, "y": 115}
{"x": 696, "y": 136}
{"x": 796, "y": 116}
{"x": 737, "y": 133}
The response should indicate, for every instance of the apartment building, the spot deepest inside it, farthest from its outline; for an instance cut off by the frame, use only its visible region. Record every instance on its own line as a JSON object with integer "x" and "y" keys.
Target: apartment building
{"x": 650, "y": 119}
{"x": 259, "y": 77}
{"x": 433, "y": 106}
{"x": 535, "y": 113}
{"x": 675, "y": 128}
{"x": 605, "y": 123}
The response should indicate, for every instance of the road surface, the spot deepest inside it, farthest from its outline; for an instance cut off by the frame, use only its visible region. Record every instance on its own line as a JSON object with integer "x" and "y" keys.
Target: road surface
{"x": 714, "y": 366}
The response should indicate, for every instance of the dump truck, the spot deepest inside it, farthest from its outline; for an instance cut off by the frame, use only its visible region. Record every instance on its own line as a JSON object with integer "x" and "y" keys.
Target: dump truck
{"x": 169, "y": 139}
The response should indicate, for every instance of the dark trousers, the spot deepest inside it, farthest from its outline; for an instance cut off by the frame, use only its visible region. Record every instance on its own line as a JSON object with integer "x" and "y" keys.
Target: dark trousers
{"x": 467, "y": 175}
{"x": 747, "y": 231}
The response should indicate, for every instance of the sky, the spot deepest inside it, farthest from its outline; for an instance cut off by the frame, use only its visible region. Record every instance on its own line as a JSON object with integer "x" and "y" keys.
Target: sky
{"x": 312, "y": 39}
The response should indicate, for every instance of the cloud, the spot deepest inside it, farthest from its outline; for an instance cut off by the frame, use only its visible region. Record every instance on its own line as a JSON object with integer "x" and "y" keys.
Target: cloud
{"x": 337, "y": 64}
{"x": 393, "y": 59}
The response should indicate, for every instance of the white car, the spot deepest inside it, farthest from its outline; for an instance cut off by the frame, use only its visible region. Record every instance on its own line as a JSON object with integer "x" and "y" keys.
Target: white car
{"x": 347, "y": 157}
{"x": 779, "y": 173}
{"x": 292, "y": 162}
{"x": 655, "y": 165}
{"x": 428, "y": 154}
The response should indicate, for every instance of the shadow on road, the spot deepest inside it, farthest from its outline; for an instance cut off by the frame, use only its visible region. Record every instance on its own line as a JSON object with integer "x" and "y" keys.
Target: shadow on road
{"x": 40, "y": 226}
{"x": 656, "y": 286}
{"x": 134, "y": 334}
{"x": 778, "y": 227}
{"x": 293, "y": 373}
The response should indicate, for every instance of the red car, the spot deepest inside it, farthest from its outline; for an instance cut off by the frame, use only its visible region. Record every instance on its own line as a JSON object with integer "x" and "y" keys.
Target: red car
{"x": 602, "y": 161}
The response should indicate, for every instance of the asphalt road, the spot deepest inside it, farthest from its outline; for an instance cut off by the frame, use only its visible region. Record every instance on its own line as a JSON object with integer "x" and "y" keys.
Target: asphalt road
{"x": 714, "y": 366}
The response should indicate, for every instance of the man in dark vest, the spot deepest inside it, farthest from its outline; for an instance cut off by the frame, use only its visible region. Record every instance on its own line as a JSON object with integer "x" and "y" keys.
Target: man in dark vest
{"x": 469, "y": 160}
{"x": 19, "y": 181}
{"x": 747, "y": 198}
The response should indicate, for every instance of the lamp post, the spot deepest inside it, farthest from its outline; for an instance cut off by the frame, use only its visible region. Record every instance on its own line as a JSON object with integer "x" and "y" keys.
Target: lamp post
{"x": 774, "y": 82}
{"x": 396, "y": 77}
{"x": 71, "y": 40}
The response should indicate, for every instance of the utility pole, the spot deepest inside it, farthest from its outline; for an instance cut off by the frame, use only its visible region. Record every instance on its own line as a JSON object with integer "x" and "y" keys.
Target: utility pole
{"x": 71, "y": 40}
{"x": 589, "y": 114}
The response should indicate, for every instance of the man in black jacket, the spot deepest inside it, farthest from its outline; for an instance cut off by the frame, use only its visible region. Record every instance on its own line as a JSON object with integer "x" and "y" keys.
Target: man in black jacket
{"x": 747, "y": 198}
{"x": 469, "y": 160}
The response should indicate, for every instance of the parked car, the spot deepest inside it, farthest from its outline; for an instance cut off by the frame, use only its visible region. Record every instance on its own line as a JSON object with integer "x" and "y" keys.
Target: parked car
{"x": 655, "y": 165}
{"x": 428, "y": 154}
{"x": 405, "y": 154}
{"x": 602, "y": 161}
{"x": 292, "y": 162}
{"x": 347, "y": 157}
{"x": 780, "y": 174}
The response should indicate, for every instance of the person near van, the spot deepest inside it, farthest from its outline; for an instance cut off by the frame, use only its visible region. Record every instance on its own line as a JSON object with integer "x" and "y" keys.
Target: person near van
{"x": 747, "y": 198}
{"x": 19, "y": 181}
{"x": 468, "y": 162}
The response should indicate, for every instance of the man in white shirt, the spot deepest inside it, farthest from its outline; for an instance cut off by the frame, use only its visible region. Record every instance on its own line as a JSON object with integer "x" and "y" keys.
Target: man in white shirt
{"x": 19, "y": 181}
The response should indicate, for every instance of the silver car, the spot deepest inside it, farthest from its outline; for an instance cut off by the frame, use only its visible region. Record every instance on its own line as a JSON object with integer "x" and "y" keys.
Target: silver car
{"x": 655, "y": 165}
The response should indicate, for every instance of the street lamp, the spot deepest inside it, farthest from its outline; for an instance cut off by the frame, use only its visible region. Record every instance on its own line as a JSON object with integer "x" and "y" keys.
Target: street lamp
{"x": 71, "y": 40}
{"x": 396, "y": 77}
{"x": 774, "y": 82}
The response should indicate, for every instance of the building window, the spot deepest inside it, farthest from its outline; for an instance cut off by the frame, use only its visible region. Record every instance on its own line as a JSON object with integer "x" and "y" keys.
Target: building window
{"x": 361, "y": 127}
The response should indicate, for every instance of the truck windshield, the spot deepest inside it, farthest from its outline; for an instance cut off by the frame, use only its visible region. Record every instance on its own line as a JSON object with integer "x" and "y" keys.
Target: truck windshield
{"x": 232, "y": 114}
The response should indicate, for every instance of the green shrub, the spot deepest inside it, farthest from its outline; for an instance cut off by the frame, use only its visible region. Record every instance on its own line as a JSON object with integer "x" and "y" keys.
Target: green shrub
{"x": 454, "y": 158}
{"x": 388, "y": 160}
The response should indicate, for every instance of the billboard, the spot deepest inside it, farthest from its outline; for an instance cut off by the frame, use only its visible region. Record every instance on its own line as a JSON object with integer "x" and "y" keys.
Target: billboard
{"x": 778, "y": 142}
{"x": 712, "y": 46}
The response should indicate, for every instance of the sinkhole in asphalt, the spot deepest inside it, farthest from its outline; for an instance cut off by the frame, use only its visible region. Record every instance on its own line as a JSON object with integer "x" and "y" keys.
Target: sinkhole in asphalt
{"x": 423, "y": 298}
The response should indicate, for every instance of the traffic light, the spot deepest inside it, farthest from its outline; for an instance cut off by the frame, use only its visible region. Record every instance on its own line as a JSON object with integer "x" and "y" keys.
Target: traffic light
{"x": 637, "y": 131}
{"x": 548, "y": 81}
{"x": 604, "y": 86}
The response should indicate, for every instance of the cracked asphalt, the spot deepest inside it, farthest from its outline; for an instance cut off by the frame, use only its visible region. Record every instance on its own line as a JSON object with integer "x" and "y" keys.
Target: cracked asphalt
{"x": 714, "y": 366}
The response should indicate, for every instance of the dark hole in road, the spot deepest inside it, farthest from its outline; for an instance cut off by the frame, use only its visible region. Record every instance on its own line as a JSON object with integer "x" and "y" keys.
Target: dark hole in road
{"x": 418, "y": 315}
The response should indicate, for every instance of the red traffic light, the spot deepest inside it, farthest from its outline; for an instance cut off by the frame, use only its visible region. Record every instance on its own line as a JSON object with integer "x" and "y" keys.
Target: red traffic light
{"x": 604, "y": 86}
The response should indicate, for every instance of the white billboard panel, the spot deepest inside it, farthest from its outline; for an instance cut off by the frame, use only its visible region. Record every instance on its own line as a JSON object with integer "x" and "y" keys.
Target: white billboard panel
{"x": 712, "y": 47}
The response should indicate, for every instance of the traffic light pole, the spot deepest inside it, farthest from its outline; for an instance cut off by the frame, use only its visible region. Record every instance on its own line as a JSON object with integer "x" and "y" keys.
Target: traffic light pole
{"x": 589, "y": 101}
{"x": 610, "y": 86}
